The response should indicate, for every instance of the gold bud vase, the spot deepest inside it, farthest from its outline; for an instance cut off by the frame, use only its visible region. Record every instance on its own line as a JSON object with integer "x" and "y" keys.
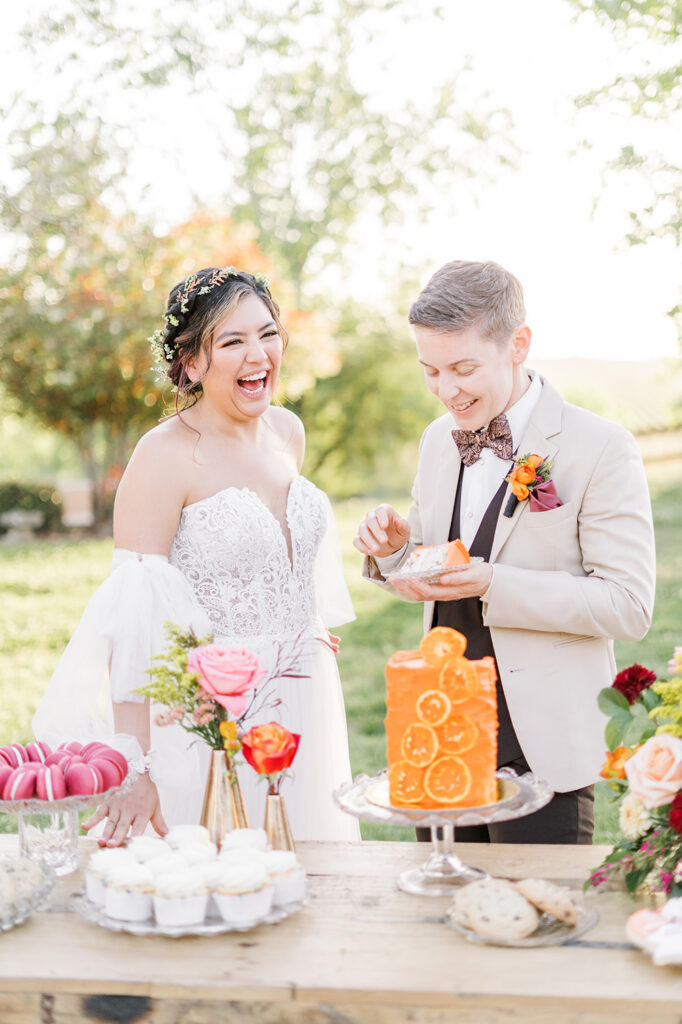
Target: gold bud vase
{"x": 277, "y": 824}
{"x": 223, "y": 808}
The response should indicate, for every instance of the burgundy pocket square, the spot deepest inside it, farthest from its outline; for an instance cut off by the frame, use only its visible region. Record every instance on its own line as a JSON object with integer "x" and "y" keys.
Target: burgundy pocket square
{"x": 544, "y": 497}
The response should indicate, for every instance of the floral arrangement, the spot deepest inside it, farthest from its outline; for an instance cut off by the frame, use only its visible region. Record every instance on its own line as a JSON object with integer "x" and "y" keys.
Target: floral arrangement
{"x": 643, "y": 768}
{"x": 202, "y": 684}
{"x": 530, "y": 479}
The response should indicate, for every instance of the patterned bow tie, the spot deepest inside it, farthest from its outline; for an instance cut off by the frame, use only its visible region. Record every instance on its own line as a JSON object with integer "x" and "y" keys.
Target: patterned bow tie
{"x": 497, "y": 436}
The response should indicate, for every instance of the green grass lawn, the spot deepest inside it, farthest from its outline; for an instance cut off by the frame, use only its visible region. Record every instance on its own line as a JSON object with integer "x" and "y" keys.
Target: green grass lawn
{"x": 45, "y": 586}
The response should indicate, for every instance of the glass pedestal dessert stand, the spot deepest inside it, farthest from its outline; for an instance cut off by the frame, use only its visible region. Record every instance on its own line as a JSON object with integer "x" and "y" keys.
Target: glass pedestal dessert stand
{"x": 367, "y": 798}
{"x": 48, "y": 829}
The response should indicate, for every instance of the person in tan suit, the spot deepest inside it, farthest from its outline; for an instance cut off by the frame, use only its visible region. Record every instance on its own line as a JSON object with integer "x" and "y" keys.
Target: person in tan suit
{"x": 561, "y": 578}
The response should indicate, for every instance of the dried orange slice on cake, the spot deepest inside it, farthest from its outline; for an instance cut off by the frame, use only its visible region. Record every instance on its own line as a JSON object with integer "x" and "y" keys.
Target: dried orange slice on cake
{"x": 459, "y": 680}
{"x": 433, "y": 707}
{"x": 458, "y": 735}
{"x": 419, "y": 744}
{"x": 442, "y": 644}
{"x": 447, "y": 780}
{"x": 405, "y": 783}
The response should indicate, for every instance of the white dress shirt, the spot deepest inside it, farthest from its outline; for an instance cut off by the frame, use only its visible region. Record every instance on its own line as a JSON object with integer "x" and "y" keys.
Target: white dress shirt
{"x": 481, "y": 481}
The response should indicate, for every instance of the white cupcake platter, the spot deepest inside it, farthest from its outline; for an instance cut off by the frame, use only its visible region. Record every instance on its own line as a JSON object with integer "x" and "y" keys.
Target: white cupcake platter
{"x": 212, "y": 924}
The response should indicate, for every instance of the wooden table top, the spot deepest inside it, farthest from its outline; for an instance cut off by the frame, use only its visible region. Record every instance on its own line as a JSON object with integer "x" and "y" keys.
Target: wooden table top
{"x": 360, "y": 952}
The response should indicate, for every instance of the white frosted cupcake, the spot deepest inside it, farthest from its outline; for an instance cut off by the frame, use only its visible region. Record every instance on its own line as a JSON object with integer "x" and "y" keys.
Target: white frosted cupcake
{"x": 179, "y": 835}
{"x": 287, "y": 876}
{"x": 170, "y": 860}
{"x": 198, "y": 853}
{"x": 244, "y": 891}
{"x": 246, "y": 855}
{"x": 128, "y": 892}
{"x": 98, "y": 868}
{"x": 245, "y": 839}
{"x": 144, "y": 848}
{"x": 180, "y": 898}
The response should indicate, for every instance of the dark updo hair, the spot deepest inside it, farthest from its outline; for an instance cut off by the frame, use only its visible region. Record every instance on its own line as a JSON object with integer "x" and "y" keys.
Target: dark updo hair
{"x": 194, "y": 309}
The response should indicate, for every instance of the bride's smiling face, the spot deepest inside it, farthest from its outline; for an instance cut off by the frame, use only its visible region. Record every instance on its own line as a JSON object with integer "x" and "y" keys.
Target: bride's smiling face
{"x": 246, "y": 355}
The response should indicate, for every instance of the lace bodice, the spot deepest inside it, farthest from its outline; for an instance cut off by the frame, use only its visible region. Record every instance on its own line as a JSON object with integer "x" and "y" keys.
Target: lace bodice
{"x": 233, "y": 553}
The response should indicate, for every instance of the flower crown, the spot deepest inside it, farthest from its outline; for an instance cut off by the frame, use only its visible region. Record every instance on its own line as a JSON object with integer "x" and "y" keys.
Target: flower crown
{"x": 182, "y": 303}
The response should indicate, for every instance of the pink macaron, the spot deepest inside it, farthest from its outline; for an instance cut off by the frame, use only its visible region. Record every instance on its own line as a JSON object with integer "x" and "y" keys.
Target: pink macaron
{"x": 21, "y": 785}
{"x": 50, "y": 784}
{"x": 5, "y": 772}
{"x": 90, "y": 750}
{"x": 110, "y": 772}
{"x": 109, "y": 754}
{"x": 38, "y": 751}
{"x": 74, "y": 747}
{"x": 58, "y": 757}
{"x": 14, "y": 754}
{"x": 82, "y": 780}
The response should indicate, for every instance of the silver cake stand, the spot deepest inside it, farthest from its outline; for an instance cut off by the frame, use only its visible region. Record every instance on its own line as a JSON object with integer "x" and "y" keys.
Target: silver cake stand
{"x": 367, "y": 798}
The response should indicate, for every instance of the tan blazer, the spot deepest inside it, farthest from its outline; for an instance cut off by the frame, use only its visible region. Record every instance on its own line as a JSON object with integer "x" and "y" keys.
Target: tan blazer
{"x": 566, "y": 581}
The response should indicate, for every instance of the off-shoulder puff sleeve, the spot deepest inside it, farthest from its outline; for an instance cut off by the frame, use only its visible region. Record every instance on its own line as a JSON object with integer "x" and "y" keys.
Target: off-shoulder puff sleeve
{"x": 332, "y": 599}
{"x": 120, "y": 631}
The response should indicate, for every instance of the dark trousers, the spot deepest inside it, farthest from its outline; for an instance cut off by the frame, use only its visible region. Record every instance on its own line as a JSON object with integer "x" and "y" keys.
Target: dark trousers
{"x": 568, "y": 818}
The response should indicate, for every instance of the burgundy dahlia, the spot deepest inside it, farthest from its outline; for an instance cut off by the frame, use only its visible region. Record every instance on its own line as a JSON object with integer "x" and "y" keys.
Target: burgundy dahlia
{"x": 675, "y": 819}
{"x": 633, "y": 680}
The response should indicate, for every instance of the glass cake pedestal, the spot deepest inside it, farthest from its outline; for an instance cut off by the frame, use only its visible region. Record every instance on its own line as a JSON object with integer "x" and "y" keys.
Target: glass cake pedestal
{"x": 367, "y": 798}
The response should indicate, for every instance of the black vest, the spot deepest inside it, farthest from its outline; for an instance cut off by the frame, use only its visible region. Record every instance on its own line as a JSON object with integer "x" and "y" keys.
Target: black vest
{"x": 466, "y": 615}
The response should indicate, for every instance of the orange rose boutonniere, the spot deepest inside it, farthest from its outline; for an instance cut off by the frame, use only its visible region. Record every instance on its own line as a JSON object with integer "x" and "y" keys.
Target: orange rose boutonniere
{"x": 530, "y": 479}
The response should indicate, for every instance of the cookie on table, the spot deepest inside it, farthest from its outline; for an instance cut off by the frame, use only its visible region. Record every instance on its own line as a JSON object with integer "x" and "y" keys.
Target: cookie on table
{"x": 549, "y": 898}
{"x": 494, "y": 908}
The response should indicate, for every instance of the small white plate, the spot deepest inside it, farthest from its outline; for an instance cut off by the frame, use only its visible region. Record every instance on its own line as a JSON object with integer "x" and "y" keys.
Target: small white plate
{"x": 432, "y": 575}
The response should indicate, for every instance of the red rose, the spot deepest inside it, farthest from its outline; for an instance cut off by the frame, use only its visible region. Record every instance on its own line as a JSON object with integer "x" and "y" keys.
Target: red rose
{"x": 632, "y": 681}
{"x": 675, "y": 819}
{"x": 270, "y": 748}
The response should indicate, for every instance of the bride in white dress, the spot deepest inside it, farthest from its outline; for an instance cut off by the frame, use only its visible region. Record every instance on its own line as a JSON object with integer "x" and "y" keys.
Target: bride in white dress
{"x": 214, "y": 529}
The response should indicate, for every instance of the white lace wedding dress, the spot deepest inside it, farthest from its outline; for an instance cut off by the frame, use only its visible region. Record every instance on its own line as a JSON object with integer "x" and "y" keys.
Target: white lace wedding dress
{"x": 229, "y": 572}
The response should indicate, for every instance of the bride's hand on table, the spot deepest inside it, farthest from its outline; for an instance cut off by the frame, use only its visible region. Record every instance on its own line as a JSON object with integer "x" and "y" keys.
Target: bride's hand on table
{"x": 471, "y": 582}
{"x": 131, "y": 812}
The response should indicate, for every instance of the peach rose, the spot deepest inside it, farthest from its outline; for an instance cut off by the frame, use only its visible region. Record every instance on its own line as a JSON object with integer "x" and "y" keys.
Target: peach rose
{"x": 227, "y": 674}
{"x": 655, "y": 771}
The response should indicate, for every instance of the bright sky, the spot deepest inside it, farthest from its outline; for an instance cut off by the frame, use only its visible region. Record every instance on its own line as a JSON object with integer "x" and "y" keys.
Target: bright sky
{"x": 587, "y": 294}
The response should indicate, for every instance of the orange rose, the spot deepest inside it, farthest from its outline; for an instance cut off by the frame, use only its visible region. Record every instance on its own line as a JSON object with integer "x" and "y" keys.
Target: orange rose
{"x": 535, "y": 460}
{"x": 614, "y": 765}
{"x": 270, "y": 748}
{"x": 524, "y": 474}
{"x": 520, "y": 491}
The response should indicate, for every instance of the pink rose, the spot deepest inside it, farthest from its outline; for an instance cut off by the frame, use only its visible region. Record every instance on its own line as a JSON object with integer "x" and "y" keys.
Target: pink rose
{"x": 227, "y": 674}
{"x": 655, "y": 770}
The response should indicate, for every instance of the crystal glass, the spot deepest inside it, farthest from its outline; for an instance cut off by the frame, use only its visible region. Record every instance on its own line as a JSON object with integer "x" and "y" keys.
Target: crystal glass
{"x": 51, "y": 837}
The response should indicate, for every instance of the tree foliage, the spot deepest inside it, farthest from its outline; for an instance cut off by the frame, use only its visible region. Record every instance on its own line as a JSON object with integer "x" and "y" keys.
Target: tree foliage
{"x": 307, "y": 146}
{"x": 650, "y": 94}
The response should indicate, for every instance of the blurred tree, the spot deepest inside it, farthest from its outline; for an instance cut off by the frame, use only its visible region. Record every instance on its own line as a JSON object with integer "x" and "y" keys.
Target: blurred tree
{"x": 372, "y": 409}
{"x": 84, "y": 288}
{"x": 308, "y": 147}
{"x": 650, "y": 95}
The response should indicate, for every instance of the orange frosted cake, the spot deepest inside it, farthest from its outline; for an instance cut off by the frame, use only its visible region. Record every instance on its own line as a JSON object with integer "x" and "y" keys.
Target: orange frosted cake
{"x": 441, "y": 725}
{"x": 436, "y": 556}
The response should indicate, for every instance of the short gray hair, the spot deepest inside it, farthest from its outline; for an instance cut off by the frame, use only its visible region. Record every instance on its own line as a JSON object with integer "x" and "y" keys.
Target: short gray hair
{"x": 463, "y": 294}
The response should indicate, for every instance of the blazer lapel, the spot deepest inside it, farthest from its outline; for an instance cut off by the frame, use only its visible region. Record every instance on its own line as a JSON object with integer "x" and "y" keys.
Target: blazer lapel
{"x": 544, "y": 424}
{"x": 447, "y": 468}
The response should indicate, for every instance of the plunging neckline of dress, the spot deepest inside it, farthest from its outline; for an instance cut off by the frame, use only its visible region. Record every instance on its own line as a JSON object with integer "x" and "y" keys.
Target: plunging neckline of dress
{"x": 288, "y": 543}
